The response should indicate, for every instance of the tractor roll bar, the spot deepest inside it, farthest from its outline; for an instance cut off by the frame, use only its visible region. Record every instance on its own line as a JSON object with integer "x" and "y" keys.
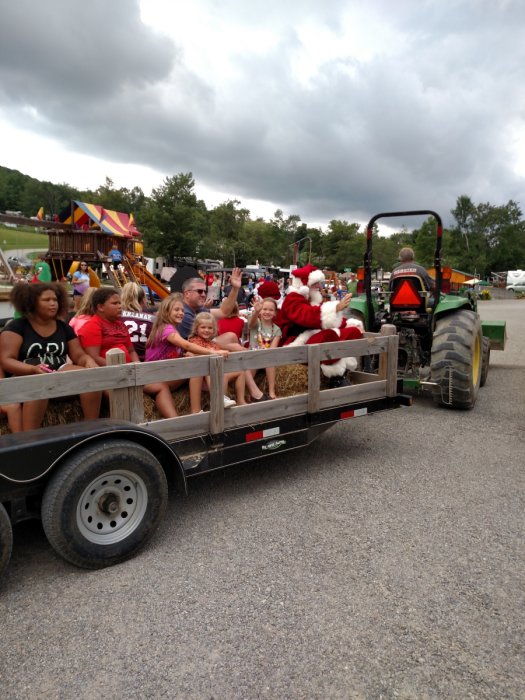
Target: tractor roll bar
{"x": 368, "y": 253}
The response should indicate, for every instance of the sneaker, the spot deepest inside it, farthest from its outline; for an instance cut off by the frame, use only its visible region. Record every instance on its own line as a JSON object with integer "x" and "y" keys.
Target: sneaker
{"x": 336, "y": 382}
{"x": 228, "y": 403}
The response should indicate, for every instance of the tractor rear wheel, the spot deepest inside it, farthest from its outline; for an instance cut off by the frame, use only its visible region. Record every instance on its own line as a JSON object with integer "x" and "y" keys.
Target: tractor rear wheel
{"x": 456, "y": 359}
{"x": 485, "y": 360}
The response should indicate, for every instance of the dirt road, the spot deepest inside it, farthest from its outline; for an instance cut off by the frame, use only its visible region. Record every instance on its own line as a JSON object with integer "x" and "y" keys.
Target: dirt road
{"x": 386, "y": 561}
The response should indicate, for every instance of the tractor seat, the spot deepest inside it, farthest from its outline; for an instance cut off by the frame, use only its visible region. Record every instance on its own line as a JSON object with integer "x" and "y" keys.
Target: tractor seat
{"x": 409, "y": 297}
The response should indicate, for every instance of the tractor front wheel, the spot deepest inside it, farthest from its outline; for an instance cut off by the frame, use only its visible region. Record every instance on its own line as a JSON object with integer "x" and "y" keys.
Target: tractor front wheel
{"x": 456, "y": 359}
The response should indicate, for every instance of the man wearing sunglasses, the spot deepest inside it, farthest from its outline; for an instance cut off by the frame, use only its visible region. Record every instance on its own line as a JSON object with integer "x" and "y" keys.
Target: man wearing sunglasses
{"x": 194, "y": 298}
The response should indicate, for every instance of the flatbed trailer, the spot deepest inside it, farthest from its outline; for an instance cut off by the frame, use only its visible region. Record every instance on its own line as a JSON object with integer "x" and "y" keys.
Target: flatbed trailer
{"x": 101, "y": 487}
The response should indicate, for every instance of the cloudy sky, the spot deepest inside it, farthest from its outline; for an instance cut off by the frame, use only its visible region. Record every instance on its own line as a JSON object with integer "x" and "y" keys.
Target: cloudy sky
{"x": 322, "y": 108}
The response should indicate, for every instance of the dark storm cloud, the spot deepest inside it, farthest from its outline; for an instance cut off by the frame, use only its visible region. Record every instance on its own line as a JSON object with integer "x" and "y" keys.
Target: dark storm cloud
{"x": 415, "y": 126}
{"x": 63, "y": 52}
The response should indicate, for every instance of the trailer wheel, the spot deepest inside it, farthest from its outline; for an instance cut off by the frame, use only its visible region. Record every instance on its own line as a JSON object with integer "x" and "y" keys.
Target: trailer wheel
{"x": 104, "y": 503}
{"x": 6, "y": 539}
{"x": 485, "y": 360}
{"x": 456, "y": 359}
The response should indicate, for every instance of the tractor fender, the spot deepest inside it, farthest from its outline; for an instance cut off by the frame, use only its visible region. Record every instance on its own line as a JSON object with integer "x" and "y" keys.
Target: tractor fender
{"x": 358, "y": 309}
{"x": 448, "y": 304}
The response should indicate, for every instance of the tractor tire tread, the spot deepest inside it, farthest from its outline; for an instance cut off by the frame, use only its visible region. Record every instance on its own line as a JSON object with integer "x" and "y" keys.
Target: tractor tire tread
{"x": 452, "y": 359}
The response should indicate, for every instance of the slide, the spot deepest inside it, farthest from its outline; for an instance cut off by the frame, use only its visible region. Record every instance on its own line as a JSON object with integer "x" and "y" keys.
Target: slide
{"x": 144, "y": 276}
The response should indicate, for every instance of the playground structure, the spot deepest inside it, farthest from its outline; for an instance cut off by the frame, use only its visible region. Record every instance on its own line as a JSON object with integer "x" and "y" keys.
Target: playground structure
{"x": 88, "y": 232}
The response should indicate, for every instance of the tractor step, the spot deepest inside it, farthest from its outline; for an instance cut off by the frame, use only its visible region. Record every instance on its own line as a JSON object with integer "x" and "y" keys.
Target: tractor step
{"x": 496, "y": 332}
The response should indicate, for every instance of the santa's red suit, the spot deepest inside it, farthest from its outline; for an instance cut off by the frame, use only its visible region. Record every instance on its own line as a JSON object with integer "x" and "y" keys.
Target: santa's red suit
{"x": 304, "y": 319}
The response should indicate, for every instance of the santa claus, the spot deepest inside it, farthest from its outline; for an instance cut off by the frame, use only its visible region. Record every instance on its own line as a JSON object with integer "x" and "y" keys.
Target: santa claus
{"x": 304, "y": 319}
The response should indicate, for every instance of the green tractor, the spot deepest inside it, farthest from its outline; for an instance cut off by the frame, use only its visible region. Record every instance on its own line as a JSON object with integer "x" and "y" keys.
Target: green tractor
{"x": 443, "y": 345}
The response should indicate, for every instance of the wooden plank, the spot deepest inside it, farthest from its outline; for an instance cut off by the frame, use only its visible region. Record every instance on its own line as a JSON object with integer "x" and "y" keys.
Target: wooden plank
{"x": 314, "y": 378}
{"x": 352, "y": 394}
{"x": 237, "y": 417}
{"x": 65, "y": 383}
{"x": 181, "y": 427}
{"x": 169, "y": 370}
{"x": 362, "y": 377}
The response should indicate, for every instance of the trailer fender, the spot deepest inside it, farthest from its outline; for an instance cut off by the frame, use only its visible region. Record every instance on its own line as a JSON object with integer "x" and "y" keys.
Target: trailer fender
{"x": 31, "y": 457}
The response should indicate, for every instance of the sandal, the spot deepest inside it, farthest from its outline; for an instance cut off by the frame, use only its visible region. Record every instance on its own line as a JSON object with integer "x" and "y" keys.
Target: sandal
{"x": 264, "y": 397}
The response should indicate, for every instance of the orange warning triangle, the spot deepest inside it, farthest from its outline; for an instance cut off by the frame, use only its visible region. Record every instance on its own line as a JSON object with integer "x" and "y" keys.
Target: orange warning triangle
{"x": 406, "y": 295}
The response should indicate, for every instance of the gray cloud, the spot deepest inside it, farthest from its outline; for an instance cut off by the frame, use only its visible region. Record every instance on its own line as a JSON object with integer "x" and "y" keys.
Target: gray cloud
{"x": 415, "y": 126}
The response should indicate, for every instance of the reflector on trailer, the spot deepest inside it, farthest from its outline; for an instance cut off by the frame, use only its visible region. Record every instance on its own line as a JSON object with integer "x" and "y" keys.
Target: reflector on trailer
{"x": 354, "y": 413}
{"x": 405, "y": 295}
{"x": 260, "y": 434}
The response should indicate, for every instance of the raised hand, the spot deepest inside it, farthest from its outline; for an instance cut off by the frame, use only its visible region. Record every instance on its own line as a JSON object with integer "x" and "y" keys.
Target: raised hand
{"x": 236, "y": 278}
{"x": 344, "y": 302}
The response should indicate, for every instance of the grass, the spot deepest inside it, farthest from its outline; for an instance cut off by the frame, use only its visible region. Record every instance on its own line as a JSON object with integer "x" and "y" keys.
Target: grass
{"x": 22, "y": 237}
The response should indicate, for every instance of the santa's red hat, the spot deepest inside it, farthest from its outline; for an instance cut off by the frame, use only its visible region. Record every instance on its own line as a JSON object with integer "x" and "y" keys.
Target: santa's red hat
{"x": 269, "y": 289}
{"x": 306, "y": 276}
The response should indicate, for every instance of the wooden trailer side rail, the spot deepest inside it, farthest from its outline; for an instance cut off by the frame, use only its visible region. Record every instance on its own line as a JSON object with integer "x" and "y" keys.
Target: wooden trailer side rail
{"x": 125, "y": 381}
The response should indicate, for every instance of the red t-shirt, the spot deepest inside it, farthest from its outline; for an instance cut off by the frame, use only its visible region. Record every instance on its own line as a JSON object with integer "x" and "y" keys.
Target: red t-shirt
{"x": 97, "y": 332}
{"x": 235, "y": 324}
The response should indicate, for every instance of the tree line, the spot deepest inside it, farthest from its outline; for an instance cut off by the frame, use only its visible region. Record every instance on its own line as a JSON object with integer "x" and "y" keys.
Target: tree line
{"x": 483, "y": 238}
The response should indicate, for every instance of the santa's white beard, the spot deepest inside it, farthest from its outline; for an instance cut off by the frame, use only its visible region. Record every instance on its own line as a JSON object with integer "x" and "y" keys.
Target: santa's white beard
{"x": 315, "y": 297}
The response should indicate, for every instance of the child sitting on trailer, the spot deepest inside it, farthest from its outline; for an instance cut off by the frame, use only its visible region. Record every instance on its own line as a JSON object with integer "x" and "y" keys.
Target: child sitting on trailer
{"x": 202, "y": 333}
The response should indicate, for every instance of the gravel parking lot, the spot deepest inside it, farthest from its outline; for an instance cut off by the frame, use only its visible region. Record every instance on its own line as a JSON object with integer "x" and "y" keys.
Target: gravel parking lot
{"x": 386, "y": 561}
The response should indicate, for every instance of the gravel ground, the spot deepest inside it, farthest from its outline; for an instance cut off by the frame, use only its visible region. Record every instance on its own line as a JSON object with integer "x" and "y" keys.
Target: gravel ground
{"x": 386, "y": 561}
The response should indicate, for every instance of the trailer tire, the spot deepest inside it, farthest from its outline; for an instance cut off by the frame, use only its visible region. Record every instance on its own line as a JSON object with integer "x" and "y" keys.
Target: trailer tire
{"x": 6, "y": 539}
{"x": 104, "y": 503}
{"x": 485, "y": 360}
{"x": 456, "y": 359}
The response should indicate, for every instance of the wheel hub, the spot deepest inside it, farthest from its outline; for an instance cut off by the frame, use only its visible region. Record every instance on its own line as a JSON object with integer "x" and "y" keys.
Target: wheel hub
{"x": 109, "y": 504}
{"x": 112, "y": 507}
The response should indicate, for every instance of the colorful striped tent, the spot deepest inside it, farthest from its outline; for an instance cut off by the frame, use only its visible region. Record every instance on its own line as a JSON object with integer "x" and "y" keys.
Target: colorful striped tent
{"x": 116, "y": 223}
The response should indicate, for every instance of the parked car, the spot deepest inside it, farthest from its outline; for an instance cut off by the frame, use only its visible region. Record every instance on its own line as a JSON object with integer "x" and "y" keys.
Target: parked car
{"x": 516, "y": 287}
{"x": 16, "y": 261}
{"x": 516, "y": 281}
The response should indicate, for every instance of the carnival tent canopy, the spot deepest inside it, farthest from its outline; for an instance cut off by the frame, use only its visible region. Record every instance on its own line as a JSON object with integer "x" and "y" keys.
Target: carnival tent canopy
{"x": 116, "y": 223}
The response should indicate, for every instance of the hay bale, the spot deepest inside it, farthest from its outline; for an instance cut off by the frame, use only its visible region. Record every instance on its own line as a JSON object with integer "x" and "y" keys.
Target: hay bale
{"x": 290, "y": 380}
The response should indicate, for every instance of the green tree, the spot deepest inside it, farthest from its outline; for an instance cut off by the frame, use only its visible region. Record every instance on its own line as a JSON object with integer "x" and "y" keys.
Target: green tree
{"x": 342, "y": 246}
{"x": 487, "y": 238}
{"x": 226, "y": 241}
{"x": 174, "y": 222}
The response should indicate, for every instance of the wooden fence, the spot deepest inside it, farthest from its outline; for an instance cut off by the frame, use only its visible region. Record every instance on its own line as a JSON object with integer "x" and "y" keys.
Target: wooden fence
{"x": 125, "y": 381}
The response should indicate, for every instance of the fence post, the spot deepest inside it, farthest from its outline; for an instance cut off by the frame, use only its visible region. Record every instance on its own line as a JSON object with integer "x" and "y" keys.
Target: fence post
{"x": 388, "y": 360}
{"x": 216, "y": 394}
{"x": 314, "y": 378}
{"x": 126, "y": 403}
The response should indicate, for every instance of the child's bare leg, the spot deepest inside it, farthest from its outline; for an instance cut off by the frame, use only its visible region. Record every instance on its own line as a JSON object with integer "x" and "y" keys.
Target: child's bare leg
{"x": 240, "y": 386}
{"x": 270, "y": 376}
{"x": 163, "y": 399}
{"x": 13, "y": 411}
{"x": 90, "y": 403}
{"x": 251, "y": 385}
{"x": 33, "y": 414}
{"x": 195, "y": 394}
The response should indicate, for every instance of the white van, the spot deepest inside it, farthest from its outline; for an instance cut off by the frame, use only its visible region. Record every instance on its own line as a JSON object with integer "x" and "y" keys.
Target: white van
{"x": 516, "y": 280}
